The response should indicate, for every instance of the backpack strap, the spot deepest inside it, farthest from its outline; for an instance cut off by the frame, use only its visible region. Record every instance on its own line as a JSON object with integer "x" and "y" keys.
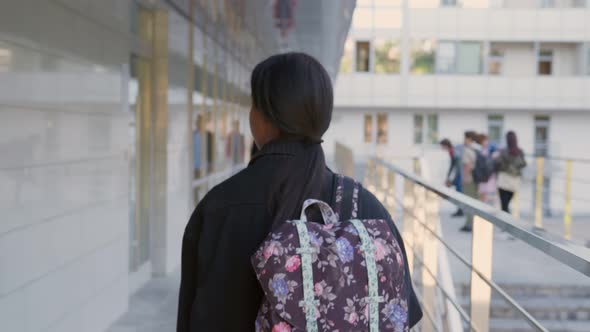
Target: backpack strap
{"x": 346, "y": 198}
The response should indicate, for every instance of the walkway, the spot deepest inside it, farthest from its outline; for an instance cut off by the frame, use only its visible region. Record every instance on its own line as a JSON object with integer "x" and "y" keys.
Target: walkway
{"x": 152, "y": 308}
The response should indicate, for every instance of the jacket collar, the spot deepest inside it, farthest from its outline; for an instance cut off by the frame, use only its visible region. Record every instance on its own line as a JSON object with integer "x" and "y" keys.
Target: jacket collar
{"x": 279, "y": 147}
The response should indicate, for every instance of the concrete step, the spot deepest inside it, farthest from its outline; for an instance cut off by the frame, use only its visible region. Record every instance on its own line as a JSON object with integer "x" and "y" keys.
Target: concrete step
{"x": 519, "y": 325}
{"x": 543, "y": 308}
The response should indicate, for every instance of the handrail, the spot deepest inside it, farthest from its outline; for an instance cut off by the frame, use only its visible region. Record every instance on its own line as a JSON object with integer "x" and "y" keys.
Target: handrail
{"x": 509, "y": 299}
{"x": 568, "y": 253}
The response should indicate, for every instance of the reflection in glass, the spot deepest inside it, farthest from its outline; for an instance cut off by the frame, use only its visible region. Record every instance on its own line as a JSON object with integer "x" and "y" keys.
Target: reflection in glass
{"x": 432, "y": 128}
{"x": 445, "y": 57}
{"x": 381, "y": 128}
{"x": 469, "y": 58}
{"x": 422, "y": 54}
{"x": 418, "y": 128}
{"x": 387, "y": 56}
{"x": 362, "y": 56}
{"x": 368, "y": 128}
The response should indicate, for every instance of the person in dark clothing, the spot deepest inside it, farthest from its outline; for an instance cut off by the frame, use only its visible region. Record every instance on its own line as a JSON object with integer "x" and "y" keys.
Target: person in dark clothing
{"x": 292, "y": 104}
{"x": 454, "y": 173}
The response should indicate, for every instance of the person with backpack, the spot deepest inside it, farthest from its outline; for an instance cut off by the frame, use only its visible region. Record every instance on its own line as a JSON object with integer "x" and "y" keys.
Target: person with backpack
{"x": 487, "y": 189}
{"x": 509, "y": 164}
{"x": 469, "y": 159}
{"x": 274, "y": 248}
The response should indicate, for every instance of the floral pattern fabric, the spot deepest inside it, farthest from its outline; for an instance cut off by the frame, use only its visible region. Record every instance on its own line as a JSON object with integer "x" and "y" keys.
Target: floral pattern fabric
{"x": 340, "y": 278}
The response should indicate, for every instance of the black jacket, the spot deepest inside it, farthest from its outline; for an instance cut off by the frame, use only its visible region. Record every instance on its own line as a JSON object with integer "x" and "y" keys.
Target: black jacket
{"x": 219, "y": 290}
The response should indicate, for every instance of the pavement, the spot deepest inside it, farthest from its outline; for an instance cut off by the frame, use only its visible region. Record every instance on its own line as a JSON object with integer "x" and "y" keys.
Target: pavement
{"x": 152, "y": 308}
{"x": 514, "y": 262}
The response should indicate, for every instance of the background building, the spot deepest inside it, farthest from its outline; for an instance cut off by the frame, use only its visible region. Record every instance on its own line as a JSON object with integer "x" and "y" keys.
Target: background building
{"x": 416, "y": 71}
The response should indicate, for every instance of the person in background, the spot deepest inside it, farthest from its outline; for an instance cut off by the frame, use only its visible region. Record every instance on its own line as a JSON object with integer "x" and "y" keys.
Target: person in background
{"x": 235, "y": 146}
{"x": 197, "y": 141}
{"x": 458, "y": 153}
{"x": 468, "y": 160}
{"x": 487, "y": 190}
{"x": 510, "y": 163}
{"x": 453, "y": 174}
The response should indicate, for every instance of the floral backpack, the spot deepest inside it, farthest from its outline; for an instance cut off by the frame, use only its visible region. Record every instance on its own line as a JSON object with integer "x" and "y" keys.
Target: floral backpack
{"x": 336, "y": 276}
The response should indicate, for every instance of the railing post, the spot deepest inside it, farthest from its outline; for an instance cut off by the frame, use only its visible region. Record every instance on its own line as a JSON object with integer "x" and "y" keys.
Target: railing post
{"x": 391, "y": 192}
{"x": 481, "y": 260}
{"x": 539, "y": 194}
{"x": 430, "y": 259}
{"x": 567, "y": 210}
{"x": 516, "y": 205}
{"x": 407, "y": 231}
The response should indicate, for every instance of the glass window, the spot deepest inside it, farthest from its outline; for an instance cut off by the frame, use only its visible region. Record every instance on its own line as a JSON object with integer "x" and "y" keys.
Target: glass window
{"x": 368, "y": 128}
{"x": 547, "y": 3}
{"x": 579, "y": 4}
{"x": 386, "y": 18}
{"x": 387, "y": 56}
{"x": 445, "y": 57}
{"x": 545, "y": 66}
{"x": 422, "y": 54}
{"x": 381, "y": 128}
{"x": 469, "y": 58}
{"x": 495, "y": 129}
{"x": 346, "y": 60}
{"x": 432, "y": 128}
{"x": 418, "y": 129}
{"x": 363, "y": 54}
{"x": 449, "y": 3}
{"x": 495, "y": 62}
{"x": 362, "y": 18}
{"x": 588, "y": 59}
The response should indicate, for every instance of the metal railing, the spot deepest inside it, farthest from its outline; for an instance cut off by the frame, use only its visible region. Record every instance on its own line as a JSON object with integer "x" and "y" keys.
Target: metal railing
{"x": 422, "y": 234}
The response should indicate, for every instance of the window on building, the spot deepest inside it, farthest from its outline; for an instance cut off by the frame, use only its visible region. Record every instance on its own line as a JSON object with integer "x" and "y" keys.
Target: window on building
{"x": 545, "y": 62}
{"x": 469, "y": 58}
{"x": 496, "y": 129}
{"x": 418, "y": 128}
{"x": 449, "y": 3}
{"x": 495, "y": 60}
{"x": 363, "y": 54}
{"x": 422, "y": 54}
{"x": 432, "y": 133}
{"x": 446, "y": 55}
{"x": 387, "y": 56}
{"x": 547, "y": 3}
{"x": 588, "y": 59}
{"x": 368, "y": 128}
{"x": 381, "y": 128}
{"x": 346, "y": 60}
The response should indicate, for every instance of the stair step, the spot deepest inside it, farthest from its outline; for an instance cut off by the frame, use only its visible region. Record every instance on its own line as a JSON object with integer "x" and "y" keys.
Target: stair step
{"x": 519, "y": 325}
{"x": 571, "y": 309}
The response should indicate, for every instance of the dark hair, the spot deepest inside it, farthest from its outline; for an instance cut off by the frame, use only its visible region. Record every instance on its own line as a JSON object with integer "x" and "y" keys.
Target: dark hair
{"x": 294, "y": 91}
{"x": 480, "y": 138}
{"x": 446, "y": 143}
{"x": 512, "y": 143}
{"x": 471, "y": 135}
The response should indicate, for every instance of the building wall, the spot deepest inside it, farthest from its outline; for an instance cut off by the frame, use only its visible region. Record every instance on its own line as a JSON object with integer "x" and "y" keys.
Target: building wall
{"x": 64, "y": 171}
